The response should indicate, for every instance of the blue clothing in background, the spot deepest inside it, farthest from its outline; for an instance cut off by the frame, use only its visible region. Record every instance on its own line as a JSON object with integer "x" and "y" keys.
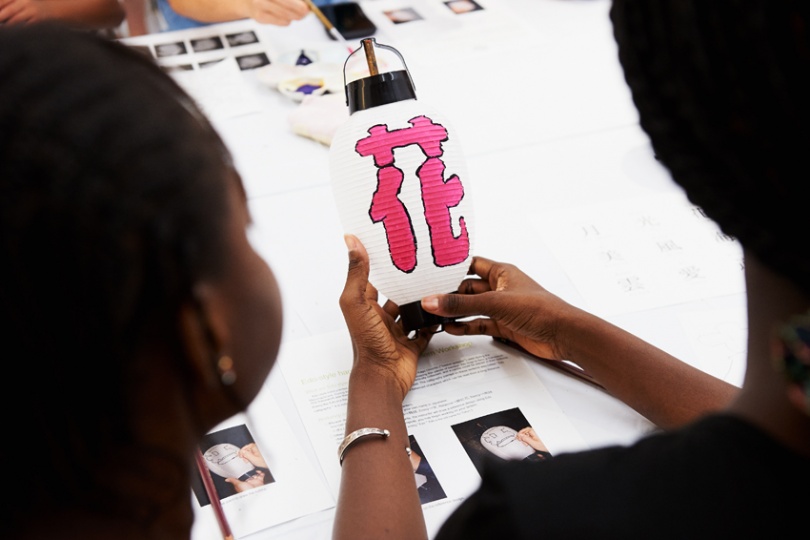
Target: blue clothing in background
{"x": 175, "y": 21}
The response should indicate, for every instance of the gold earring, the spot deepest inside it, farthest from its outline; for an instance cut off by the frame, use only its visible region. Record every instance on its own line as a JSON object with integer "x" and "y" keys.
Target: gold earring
{"x": 226, "y": 372}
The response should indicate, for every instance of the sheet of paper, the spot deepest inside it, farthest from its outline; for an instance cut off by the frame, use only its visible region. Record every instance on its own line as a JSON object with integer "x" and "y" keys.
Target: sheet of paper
{"x": 719, "y": 338}
{"x": 470, "y": 397}
{"x": 288, "y": 487}
{"x": 197, "y": 48}
{"x": 460, "y": 27}
{"x": 211, "y": 62}
{"x": 641, "y": 253}
{"x": 220, "y": 90}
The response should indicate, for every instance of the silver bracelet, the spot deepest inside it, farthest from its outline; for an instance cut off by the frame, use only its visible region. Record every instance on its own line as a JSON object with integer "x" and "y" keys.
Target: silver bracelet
{"x": 352, "y": 437}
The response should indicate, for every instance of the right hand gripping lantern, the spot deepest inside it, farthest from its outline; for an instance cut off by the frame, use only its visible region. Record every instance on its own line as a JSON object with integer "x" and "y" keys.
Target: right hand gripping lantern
{"x": 401, "y": 186}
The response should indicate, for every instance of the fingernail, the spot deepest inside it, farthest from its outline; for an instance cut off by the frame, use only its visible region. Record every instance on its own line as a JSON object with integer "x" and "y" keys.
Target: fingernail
{"x": 350, "y": 241}
{"x": 430, "y": 303}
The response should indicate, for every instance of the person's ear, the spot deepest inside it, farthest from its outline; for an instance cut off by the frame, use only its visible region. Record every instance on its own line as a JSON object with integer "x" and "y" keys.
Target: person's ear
{"x": 205, "y": 336}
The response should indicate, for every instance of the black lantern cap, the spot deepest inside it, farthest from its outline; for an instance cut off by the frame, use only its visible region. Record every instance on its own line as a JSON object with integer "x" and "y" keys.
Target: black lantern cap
{"x": 379, "y": 89}
{"x": 413, "y": 317}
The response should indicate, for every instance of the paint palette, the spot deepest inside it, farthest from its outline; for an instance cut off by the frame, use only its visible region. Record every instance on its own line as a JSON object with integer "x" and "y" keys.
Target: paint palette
{"x": 303, "y": 72}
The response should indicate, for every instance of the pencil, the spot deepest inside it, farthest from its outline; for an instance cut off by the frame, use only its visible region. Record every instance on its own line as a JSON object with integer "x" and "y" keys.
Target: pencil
{"x": 327, "y": 24}
{"x": 211, "y": 491}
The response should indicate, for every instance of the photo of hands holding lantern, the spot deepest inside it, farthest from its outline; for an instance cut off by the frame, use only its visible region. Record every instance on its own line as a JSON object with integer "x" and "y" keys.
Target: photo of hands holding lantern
{"x": 505, "y": 435}
{"x": 235, "y": 462}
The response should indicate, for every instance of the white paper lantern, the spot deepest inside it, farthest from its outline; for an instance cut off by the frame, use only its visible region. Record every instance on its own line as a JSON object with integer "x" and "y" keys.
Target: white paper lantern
{"x": 503, "y": 442}
{"x": 224, "y": 459}
{"x": 401, "y": 186}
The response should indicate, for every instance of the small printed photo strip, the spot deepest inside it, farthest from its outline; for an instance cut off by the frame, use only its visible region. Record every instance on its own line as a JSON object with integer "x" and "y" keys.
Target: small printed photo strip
{"x": 462, "y": 6}
{"x": 242, "y": 38}
{"x": 210, "y": 43}
{"x": 164, "y": 50}
{"x": 252, "y": 61}
{"x": 403, "y": 15}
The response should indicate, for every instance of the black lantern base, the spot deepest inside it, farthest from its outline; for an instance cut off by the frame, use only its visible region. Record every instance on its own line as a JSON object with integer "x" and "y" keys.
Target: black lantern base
{"x": 413, "y": 317}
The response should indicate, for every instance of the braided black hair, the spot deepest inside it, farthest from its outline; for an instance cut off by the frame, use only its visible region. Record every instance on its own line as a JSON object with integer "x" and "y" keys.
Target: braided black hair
{"x": 112, "y": 205}
{"x": 723, "y": 91}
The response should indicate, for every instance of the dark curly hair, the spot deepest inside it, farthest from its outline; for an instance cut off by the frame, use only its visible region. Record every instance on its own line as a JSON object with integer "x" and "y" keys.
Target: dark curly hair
{"x": 113, "y": 190}
{"x": 723, "y": 91}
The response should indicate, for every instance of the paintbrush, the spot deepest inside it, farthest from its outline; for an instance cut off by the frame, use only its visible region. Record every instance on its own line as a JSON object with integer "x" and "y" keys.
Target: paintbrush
{"x": 327, "y": 24}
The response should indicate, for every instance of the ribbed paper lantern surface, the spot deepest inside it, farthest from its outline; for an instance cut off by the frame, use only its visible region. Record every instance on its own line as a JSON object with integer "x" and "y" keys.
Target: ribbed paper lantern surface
{"x": 400, "y": 183}
{"x": 503, "y": 442}
{"x": 223, "y": 459}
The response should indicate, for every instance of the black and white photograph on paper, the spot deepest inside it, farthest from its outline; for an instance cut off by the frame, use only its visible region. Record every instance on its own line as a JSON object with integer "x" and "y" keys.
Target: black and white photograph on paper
{"x": 463, "y": 6}
{"x": 242, "y": 38}
{"x": 504, "y": 435}
{"x": 197, "y": 48}
{"x": 252, "y": 61}
{"x": 209, "y": 43}
{"x": 235, "y": 462}
{"x": 402, "y": 15}
{"x": 176, "y": 48}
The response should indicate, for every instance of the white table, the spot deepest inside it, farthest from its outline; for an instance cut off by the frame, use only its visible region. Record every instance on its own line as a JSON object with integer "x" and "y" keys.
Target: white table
{"x": 548, "y": 124}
